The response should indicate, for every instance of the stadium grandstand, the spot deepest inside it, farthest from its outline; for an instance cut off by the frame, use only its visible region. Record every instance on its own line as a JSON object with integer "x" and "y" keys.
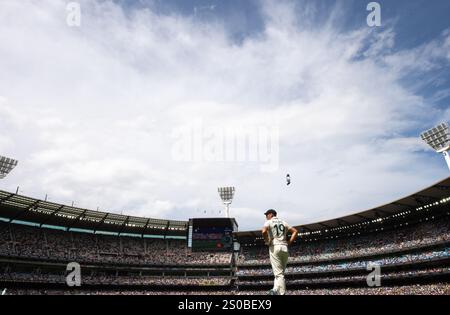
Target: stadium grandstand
{"x": 408, "y": 239}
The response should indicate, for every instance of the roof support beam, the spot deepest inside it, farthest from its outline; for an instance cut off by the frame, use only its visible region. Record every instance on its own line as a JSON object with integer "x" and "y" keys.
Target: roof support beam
{"x": 422, "y": 199}
{"x": 442, "y": 187}
{"x": 51, "y": 216}
{"x": 166, "y": 229}
{"x": 305, "y": 228}
{"x": 404, "y": 206}
{"x": 100, "y": 223}
{"x": 76, "y": 220}
{"x": 378, "y": 210}
{"x": 35, "y": 204}
{"x": 124, "y": 225}
{"x": 342, "y": 222}
{"x": 361, "y": 216}
{"x": 145, "y": 227}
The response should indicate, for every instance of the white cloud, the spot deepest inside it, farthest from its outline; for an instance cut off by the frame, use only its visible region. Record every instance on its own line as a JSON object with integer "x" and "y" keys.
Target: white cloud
{"x": 89, "y": 111}
{"x": 424, "y": 58}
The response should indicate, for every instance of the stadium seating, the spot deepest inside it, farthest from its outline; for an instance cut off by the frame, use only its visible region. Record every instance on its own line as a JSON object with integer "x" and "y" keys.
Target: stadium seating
{"x": 31, "y": 242}
{"x": 120, "y": 264}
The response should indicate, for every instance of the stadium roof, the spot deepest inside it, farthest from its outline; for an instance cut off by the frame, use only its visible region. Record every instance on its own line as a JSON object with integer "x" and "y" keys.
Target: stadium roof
{"x": 20, "y": 208}
{"x": 15, "y": 208}
{"x": 415, "y": 202}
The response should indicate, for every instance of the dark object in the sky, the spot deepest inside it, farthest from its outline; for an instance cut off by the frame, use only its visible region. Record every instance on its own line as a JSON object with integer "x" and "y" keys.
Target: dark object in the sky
{"x": 288, "y": 179}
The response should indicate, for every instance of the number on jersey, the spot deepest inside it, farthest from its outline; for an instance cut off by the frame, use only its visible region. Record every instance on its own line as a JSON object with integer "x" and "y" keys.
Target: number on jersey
{"x": 280, "y": 229}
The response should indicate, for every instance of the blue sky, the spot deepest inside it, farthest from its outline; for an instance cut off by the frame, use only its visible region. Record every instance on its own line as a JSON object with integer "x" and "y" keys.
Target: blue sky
{"x": 414, "y": 22}
{"x": 91, "y": 111}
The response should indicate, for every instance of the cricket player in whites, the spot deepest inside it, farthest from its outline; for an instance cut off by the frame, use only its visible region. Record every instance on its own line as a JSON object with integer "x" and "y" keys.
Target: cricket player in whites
{"x": 275, "y": 235}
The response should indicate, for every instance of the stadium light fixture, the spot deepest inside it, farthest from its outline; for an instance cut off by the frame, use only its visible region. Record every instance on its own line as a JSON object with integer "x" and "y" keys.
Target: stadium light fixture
{"x": 226, "y": 194}
{"x": 439, "y": 139}
{"x": 6, "y": 166}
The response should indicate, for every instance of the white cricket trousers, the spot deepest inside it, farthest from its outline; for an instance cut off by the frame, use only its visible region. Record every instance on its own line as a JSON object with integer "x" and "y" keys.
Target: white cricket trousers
{"x": 278, "y": 259}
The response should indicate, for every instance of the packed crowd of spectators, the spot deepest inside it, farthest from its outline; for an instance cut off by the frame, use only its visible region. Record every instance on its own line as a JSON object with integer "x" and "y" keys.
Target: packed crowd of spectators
{"x": 315, "y": 256}
{"x": 342, "y": 278}
{"x": 355, "y": 264}
{"x": 424, "y": 289}
{"x": 103, "y": 279}
{"x": 381, "y": 242}
{"x": 24, "y": 241}
{"x": 418, "y": 289}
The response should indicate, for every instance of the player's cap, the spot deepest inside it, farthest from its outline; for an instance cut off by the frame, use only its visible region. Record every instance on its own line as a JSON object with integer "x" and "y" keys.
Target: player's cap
{"x": 271, "y": 211}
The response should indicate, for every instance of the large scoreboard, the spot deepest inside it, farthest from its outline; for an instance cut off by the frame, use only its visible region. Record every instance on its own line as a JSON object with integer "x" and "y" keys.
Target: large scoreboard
{"x": 211, "y": 234}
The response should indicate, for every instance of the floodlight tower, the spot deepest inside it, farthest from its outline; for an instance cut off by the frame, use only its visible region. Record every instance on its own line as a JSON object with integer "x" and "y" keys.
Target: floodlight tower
{"x": 439, "y": 139}
{"x": 226, "y": 194}
{"x": 6, "y": 166}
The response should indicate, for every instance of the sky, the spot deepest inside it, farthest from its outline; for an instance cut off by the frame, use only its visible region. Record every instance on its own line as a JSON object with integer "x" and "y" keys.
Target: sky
{"x": 137, "y": 109}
